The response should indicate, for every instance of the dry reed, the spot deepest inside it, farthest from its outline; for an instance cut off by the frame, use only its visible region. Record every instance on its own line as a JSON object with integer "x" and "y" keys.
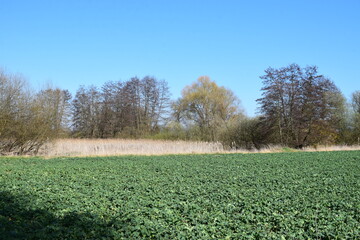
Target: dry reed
{"x": 332, "y": 148}
{"x": 113, "y": 147}
{"x": 109, "y": 147}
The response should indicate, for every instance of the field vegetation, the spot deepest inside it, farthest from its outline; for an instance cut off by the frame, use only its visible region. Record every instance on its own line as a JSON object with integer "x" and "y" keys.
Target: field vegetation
{"x": 298, "y": 195}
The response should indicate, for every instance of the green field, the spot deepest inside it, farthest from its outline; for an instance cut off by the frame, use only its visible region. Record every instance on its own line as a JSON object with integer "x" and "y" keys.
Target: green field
{"x": 234, "y": 196}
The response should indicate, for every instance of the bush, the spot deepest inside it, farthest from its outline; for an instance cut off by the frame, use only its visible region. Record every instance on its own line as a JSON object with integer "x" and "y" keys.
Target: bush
{"x": 247, "y": 133}
{"x": 27, "y": 120}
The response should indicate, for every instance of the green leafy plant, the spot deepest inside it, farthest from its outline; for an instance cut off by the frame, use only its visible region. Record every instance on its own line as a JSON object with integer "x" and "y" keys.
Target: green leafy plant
{"x": 301, "y": 195}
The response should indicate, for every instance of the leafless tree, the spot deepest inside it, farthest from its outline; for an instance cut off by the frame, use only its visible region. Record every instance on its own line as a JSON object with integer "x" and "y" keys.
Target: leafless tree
{"x": 302, "y": 106}
{"x": 86, "y": 110}
{"x": 132, "y": 108}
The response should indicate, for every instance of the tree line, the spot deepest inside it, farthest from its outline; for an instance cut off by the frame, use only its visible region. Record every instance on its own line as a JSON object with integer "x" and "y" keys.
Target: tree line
{"x": 299, "y": 107}
{"x": 133, "y": 108}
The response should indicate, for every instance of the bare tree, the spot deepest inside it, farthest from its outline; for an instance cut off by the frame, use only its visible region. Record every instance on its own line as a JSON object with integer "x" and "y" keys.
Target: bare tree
{"x": 127, "y": 109}
{"x": 355, "y": 103}
{"x": 302, "y": 106}
{"x": 86, "y": 109}
{"x": 55, "y": 106}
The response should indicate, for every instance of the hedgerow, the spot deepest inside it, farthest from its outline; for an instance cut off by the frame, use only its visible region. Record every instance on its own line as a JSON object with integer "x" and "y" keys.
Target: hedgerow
{"x": 234, "y": 196}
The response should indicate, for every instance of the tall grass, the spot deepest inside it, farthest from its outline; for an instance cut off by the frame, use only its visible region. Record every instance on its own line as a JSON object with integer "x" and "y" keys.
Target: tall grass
{"x": 111, "y": 147}
{"x": 107, "y": 147}
{"x": 324, "y": 148}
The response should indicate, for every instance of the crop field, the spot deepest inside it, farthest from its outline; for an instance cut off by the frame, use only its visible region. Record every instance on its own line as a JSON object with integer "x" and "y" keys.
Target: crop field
{"x": 300, "y": 195}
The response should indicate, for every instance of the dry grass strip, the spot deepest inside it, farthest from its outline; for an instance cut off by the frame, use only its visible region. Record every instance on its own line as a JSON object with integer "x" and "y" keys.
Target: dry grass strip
{"x": 114, "y": 147}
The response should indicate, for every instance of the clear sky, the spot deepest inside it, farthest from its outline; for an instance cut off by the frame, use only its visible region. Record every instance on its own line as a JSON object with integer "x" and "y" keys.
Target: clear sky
{"x": 69, "y": 43}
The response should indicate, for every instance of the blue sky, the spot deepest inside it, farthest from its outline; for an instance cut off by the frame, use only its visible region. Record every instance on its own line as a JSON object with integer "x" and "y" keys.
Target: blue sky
{"x": 69, "y": 43}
